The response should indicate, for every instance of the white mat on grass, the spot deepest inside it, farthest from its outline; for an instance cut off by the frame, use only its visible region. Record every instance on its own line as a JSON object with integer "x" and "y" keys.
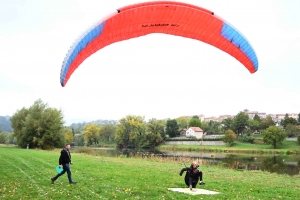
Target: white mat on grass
{"x": 195, "y": 191}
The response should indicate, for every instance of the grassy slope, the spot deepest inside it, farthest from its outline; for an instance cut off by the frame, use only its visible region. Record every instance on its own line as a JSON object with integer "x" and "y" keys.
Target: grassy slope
{"x": 25, "y": 174}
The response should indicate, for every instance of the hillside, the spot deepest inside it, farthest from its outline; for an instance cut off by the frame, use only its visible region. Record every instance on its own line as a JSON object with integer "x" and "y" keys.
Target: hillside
{"x": 5, "y": 124}
{"x": 78, "y": 127}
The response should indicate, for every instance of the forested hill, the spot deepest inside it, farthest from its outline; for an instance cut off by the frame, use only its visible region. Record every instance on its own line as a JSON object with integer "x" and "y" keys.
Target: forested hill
{"x": 78, "y": 127}
{"x": 5, "y": 124}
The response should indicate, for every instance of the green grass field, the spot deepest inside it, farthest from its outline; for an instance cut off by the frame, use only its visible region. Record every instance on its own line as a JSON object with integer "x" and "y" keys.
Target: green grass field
{"x": 25, "y": 174}
{"x": 240, "y": 147}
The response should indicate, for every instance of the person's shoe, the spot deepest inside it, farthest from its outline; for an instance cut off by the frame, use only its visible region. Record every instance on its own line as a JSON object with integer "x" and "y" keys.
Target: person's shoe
{"x": 202, "y": 183}
{"x": 73, "y": 183}
{"x": 52, "y": 180}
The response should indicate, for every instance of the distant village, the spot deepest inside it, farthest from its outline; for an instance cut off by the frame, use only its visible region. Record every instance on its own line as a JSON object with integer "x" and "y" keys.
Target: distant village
{"x": 199, "y": 133}
{"x": 276, "y": 117}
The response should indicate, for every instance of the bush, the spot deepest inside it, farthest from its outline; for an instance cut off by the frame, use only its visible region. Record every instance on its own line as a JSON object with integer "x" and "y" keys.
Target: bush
{"x": 292, "y": 130}
{"x": 2, "y": 138}
{"x": 247, "y": 138}
{"x": 299, "y": 139}
{"x": 229, "y": 137}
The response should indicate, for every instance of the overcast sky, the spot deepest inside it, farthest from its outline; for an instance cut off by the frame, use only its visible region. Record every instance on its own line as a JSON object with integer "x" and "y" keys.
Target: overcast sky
{"x": 156, "y": 76}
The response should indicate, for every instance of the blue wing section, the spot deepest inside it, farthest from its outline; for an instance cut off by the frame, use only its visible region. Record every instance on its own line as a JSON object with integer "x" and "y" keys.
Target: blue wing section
{"x": 239, "y": 41}
{"x": 78, "y": 47}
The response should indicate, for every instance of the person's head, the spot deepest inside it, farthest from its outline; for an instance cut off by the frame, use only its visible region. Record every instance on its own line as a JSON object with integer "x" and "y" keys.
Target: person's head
{"x": 68, "y": 146}
{"x": 195, "y": 164}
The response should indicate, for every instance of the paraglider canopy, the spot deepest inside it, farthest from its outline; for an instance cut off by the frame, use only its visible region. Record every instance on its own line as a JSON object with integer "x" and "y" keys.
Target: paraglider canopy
{"x": 173, "y": 18}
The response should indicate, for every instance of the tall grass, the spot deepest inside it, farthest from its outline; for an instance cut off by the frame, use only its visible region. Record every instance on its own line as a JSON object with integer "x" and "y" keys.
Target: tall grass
{"x": 25, "y": 174}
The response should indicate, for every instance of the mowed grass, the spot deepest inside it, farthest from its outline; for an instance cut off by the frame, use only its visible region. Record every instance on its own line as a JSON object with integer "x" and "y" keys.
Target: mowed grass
{"x": 25, "y": 174}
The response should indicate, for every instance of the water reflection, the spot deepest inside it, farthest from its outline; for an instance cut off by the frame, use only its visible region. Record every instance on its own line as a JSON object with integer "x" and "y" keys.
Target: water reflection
{"x": 281, "y": 164}
{"x": 277, "y": 164}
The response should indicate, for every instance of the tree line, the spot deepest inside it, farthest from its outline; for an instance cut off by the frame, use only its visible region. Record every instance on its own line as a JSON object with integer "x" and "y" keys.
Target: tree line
{"x": 242, "y": 127}
{"x": 41, "y": 126}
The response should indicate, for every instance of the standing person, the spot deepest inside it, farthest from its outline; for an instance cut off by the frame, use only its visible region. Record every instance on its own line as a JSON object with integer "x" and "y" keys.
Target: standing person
{"x": 192, "y": 175}
{"x": 64, "y": 162}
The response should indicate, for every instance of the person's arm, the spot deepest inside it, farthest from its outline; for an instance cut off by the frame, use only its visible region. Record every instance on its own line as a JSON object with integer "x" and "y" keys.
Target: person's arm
{"x": 61, "y": 158}
{"x": 182, "y": 170}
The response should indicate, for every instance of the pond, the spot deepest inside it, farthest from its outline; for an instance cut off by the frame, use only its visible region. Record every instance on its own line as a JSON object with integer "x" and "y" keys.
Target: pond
{"x": 281, "y": 164}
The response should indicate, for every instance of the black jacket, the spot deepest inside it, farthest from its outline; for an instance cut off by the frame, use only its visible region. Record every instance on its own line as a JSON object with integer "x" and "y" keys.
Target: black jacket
{"x": 65, "y": 157}
{"x": 191, "y": 171}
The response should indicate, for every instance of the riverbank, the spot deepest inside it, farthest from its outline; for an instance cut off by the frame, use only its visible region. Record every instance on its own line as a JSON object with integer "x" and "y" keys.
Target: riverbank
{"x": 102, "y": 177}
{"x": 201, "y": 143}
{"x": 287, "y": 147}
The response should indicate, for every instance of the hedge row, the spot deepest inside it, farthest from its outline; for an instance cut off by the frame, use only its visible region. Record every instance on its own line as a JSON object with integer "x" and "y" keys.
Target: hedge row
{"x": 193, "y": 139}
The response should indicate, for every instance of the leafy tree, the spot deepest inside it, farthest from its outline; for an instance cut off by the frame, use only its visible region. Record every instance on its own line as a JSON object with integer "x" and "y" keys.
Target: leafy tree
{"x": 214, "y": 127}
{"x": 299, "y": 139}
{"x": 79, "y": 140}
{"x": 205, "y": 127}
{"x": 91, "y": 133}
{"x": 195, "y": 122}
{"x": 286, "y": 116}
{"x": 68, "y": 135}
{"x": 240, "y": 122}
{"x": 274, "y": 136}
{"x": 253, "y": 124}
{"x": 39, "y": 126}
{"x": 154, "y": 133}
{"x": 257, "y": 118}
{"x": 229, "y": 137}
{"x": 292, "y": 130}
{"x": 182, "y": 122}
{"x": 299, "y": 119}
{"x": 172, "y": 128}
{"x": 128, "y": 130}
{"x": 267, "y": 122}
{"x": 2, "y": 138}
{"x": 227, "y": 123}
{"x": 107, "y": 133}
{"x": 73, "y": 132}
{"x": 11, "y": 139}
{"x": 289, "y": 120}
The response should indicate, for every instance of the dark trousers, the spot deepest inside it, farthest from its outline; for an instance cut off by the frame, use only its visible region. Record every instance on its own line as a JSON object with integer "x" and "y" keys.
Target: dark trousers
{"x": 193, "y": 180}
{"x": 66, "y": 168}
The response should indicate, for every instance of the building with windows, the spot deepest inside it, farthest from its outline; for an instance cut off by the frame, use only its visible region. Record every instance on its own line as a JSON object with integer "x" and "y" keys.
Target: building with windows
{"x": 251, "y": 114}
{"x": 194, "y": 132}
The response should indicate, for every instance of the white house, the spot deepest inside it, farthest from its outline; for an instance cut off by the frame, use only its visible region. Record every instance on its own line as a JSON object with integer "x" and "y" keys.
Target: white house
{"x": 194, "y": 132}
